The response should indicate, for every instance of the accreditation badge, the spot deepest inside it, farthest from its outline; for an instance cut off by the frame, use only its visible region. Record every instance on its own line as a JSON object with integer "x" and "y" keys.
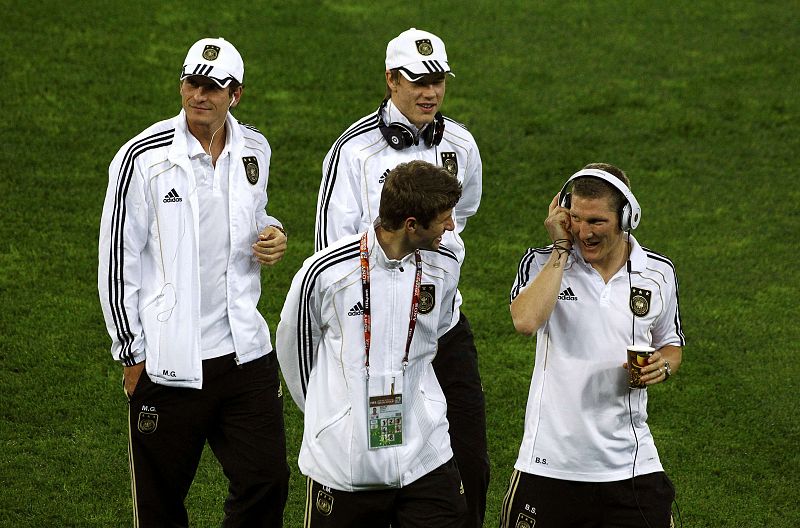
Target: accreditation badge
{"x": 385, "y": 411}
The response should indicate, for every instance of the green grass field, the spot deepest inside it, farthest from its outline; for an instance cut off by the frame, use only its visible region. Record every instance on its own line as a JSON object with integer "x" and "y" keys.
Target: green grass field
{"x": 693, "y": 99}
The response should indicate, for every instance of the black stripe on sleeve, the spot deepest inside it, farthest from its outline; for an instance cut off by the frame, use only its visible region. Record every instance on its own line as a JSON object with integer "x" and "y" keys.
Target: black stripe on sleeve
{"x": 250, "y": 127}
{"x": 116, "y": 284}
{"x": 331, "y": 172}
{"x": 450, "y": 120}
{"x": 677, "y": 321}
{"x": 447, "y": 252}
{"x": 305, "y": 348}
{"x": 524, "y": 269}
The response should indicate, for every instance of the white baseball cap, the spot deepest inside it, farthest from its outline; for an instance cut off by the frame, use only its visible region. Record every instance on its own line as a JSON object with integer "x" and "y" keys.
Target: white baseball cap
{"x": 416, "y": 53}
{"x": 215, "y": 58}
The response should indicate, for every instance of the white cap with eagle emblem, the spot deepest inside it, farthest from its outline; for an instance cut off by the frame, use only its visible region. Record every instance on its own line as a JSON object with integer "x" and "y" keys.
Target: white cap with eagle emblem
{"x": 417, "y": 53}
{"x": 215, "y": 58}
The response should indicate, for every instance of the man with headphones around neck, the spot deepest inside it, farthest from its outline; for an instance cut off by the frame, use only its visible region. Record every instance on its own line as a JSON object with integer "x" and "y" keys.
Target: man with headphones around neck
{"x": 183, "y": 236}
{"x": 587, "y": 456}
{"x": 408, "y": 125}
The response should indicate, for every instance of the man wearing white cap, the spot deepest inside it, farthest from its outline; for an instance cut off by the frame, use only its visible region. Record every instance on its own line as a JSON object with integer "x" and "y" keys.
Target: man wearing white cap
{"x": 408, "y": 125}
{"x": 183, "y": 234}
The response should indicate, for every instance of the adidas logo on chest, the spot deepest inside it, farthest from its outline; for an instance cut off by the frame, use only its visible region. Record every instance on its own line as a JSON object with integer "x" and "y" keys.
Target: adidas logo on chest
{"x": 172, "y": 196}
{"x": 357, "y": 309}
{"x": 567, "y": 295}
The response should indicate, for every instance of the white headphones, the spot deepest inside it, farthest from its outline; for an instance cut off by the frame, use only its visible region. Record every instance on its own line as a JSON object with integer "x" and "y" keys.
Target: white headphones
{"x": 631, "y": 213}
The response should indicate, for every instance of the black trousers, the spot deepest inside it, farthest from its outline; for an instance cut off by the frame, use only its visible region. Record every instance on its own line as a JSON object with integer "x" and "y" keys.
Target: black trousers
{"x": 532, "y": 500}
{"x": 456, "y": 367}
{"x": 239, "y": 411}
{"x": 433, "y": 501}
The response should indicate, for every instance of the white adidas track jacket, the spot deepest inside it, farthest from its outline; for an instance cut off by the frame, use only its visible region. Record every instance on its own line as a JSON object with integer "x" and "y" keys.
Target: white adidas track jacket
{"x": 320, "y": 345}
{"x": 148, "y": 273}
{"x": 355, "y": 168}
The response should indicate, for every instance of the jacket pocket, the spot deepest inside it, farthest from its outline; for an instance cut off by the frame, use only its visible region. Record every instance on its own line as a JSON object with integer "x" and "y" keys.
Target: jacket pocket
{"x": 332, "y": 422}
{"x": 430, "y": 408}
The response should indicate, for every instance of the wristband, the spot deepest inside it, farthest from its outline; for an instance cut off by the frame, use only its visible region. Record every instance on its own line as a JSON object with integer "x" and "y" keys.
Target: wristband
{"x": 560, "y": 250}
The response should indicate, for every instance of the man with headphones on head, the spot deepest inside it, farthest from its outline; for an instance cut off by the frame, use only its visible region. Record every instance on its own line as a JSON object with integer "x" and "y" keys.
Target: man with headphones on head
{"x": 408, "y": 125}
{"x": 183, "y": 234}
{"x": 587, "y": 456}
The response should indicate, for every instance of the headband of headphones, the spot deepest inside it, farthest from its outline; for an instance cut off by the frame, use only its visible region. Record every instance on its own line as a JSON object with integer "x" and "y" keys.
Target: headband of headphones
{"x": 400, "y": 136}
{"x": 631, "y": 211}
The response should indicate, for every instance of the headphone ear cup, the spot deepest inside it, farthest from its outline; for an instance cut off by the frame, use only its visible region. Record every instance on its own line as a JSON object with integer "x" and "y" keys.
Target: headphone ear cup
{"x": 397, "y": 135}
{"x": 428, "y": 135}
{"x": 566, "y": 200}
{"x": 434, "y": 132}
{"x": 625, "y": 217}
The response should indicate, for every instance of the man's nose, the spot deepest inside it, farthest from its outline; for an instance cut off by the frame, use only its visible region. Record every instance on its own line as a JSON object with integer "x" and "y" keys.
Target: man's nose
{"x": 428, "y": 90}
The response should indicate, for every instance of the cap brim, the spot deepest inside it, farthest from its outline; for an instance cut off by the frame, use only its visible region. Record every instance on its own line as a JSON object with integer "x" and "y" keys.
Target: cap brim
{"x": 414, "y": 72}
{"x": 220, "y": 77}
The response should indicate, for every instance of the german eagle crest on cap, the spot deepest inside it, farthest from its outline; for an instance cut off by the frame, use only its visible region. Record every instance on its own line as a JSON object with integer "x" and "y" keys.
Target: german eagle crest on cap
{"x": 450, "y": 162}
{"x": 427, "y": 298}
{"x": 251, "y": 169}
{"x": 210, "y": 52}
{"x": 424, "y": 47}
{"x": 640, "y": 301}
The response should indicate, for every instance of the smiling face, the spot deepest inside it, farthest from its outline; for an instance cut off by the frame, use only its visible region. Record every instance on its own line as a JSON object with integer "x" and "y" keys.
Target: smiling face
{"x": 205, "y": 103}
{"x": 430, "y": 237}
{"x": 418, "y": 101}
{"x": 594, "y": 224}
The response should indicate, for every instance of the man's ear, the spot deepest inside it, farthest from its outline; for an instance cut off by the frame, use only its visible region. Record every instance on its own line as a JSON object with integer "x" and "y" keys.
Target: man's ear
{"x": 410, "y": 224}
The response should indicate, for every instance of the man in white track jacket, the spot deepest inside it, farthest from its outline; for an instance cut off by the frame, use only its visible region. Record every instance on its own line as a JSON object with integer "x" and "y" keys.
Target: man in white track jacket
{"x": 409, "y": 125}
{"x": 357, "y": 336}
{"x": 183, "y": 233}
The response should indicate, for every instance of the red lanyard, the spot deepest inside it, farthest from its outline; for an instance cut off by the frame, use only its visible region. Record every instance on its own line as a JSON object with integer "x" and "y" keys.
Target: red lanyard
{"x": 412, "y": 323}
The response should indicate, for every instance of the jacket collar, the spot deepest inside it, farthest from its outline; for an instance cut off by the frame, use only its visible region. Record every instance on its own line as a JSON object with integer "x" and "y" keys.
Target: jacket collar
{"x": 178, "y": 152}
{"x": 379, "y": 256}
{"x": 393, "y": 115}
